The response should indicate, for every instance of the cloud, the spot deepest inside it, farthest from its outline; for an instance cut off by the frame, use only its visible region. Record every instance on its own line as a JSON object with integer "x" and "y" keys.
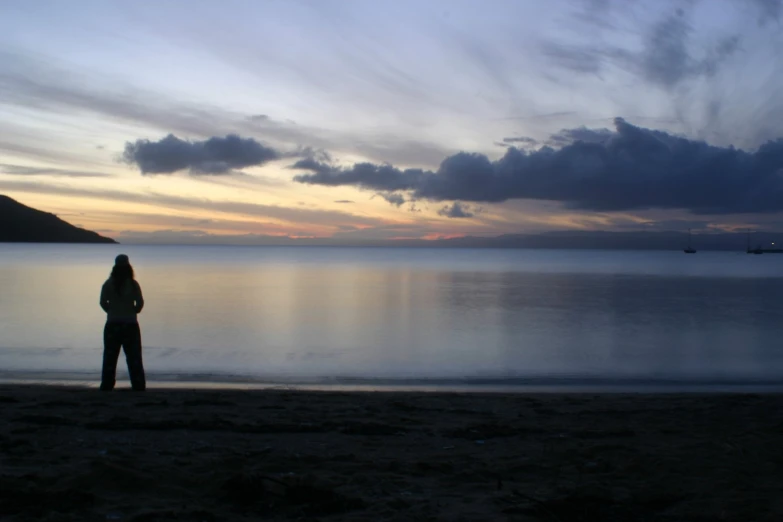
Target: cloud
{"x": 768, "y": 10}
{"x": 311, "y": 153}
{"x": 382, "y": 232}
{"x": 585, "y": 60}
{"x": 521, "y": 139}
{"x": 213, "y": 156}
{"x": 21, "y": 170}
{"x": 395, "y": 199}
{"x": 175, "y": 236}
{"x": 362, "y": 175}
{"x": 21, "y": 149}
{"x": 630, "y": 168}
{"x": 290, "y": 214}
{"x": 344, "y": 201}
{"x": 600, "y": 13}
{"x": 456, "y": 210}
{"x": 545, "y": 116}
{"x": 569, "y": 136}
{"x": 666, "y": 58}
{"x": 33, "y": 83}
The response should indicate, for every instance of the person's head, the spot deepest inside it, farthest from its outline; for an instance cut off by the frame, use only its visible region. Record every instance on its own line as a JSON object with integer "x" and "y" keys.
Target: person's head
{"x": 122, "y": 271}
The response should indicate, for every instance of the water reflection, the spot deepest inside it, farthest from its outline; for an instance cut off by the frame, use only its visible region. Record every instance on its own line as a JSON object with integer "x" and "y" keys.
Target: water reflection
{"x": 408, "y": 313}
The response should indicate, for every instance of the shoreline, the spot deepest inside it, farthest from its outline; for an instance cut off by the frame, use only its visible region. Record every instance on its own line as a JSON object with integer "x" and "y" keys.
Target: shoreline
{"x": 553, "y": 384}
{"x": 73, "y": 453}
{"x": 467, "y": 389}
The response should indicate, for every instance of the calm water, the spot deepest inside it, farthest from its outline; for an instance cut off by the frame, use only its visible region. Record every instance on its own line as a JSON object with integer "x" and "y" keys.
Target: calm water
{"x": 309, "y": 314}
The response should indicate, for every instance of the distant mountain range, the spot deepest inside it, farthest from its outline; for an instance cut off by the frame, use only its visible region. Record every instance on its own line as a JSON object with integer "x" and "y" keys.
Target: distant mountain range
{"x": 639, "y": 240}
{"x": 598, "y": 240}
{"x": 22, "y": 224}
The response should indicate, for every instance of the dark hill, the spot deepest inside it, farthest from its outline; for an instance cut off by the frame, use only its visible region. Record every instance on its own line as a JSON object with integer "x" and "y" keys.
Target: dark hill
{"x": 22, "y": 224}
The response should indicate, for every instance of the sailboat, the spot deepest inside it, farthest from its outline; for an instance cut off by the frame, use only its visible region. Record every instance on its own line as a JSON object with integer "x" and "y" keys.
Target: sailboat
{"x": 690, "y": 249}
{"x": 760, "y": 250}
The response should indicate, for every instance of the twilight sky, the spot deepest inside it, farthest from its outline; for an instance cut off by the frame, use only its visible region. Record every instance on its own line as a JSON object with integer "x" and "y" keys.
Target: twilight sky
{"x": 189, "y": 121}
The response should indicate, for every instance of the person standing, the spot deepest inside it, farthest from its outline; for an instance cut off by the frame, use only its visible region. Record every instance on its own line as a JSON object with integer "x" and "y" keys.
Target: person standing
{"x": 122, "y": 301}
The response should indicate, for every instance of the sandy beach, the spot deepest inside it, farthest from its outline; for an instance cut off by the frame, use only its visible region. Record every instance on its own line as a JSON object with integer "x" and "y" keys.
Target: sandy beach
{"x": 70, "y": 453}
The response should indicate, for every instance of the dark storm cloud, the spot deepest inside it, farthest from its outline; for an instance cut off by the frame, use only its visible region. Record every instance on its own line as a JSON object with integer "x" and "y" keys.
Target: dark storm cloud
{"x": 630, "y": 168}
{"x": 213, "y": 156}
{"x": 569, "y": 136}
{"x": 455, "y": 210}
{"x": 313, "y": 165}
{"x": 362, "y": 175}
{"x": 394, "y": 198}
{"x": 666, "y": 58}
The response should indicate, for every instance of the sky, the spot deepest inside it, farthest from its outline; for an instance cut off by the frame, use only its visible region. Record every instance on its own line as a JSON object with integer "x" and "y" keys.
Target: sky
{"x": 249, "y": 121}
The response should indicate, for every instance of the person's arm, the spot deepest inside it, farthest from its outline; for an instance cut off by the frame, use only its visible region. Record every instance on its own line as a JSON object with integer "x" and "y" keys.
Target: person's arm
{"x": 104, "y": 299}
{"x": 139, "y": 298}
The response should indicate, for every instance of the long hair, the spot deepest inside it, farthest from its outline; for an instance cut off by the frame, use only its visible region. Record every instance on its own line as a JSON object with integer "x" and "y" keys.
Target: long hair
{"x": 120, "y": 274}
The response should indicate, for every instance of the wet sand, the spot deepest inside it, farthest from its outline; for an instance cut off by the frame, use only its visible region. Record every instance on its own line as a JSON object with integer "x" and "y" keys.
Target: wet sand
{"x": 209, "y": 455}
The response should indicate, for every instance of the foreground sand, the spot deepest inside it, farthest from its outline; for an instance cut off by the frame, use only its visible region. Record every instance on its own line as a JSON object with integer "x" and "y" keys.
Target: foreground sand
{"x": 78, "y": 454}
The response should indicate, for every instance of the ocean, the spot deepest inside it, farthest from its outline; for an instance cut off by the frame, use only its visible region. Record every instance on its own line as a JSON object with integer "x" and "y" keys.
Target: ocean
{"x": 374, "y": 317}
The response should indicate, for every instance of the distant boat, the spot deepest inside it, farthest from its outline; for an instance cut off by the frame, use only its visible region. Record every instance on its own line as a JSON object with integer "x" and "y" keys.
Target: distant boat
{"x": 760, "y": 250}
{"x": 690, "y": 249}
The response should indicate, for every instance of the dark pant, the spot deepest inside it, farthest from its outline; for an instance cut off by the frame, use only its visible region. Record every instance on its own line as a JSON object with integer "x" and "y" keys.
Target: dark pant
{"x": 128, "y": 337}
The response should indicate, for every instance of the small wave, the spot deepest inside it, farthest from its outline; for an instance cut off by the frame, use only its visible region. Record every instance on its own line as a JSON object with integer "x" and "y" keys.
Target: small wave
{"x": 521, "y": 384}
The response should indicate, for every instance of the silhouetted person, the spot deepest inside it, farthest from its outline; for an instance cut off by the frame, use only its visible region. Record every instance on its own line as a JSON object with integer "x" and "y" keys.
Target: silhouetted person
{"x": 121, "y": 299}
